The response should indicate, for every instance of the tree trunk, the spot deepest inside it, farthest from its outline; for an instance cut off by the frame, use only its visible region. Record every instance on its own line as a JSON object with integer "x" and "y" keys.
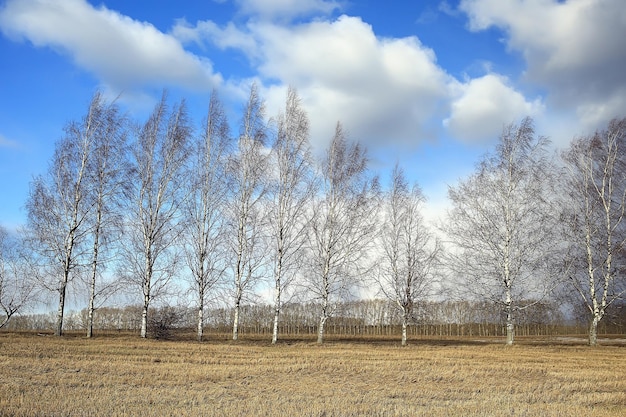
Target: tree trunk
{"x": 144, "y": 316}
{"x": 275, "y": 330}
{"x": 510, "y": 328}
{"x": 404, "y": 326}
{"x": 59, "y": 324}
{"x": 320, "y": 330}
{"x": 146, "y": 289}
{"x": 92, "y": 286}
{"x": 276, "y": 309}
{"x": 593, "y": 331}
{"x": 200, "y": 319}
{"x": 92, "y": 297}
{"x": 94, "y": 272}
{"x": 236, "y": 321}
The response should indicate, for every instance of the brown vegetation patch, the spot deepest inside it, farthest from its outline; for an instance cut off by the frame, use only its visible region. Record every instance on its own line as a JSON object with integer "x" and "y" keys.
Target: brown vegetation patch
{"x": 123, "y": 375}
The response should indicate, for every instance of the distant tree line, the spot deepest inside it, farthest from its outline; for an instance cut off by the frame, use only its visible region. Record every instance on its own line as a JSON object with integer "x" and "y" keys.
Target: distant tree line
{"x": 164, "y": 210}
{"x": 367, "y": 318}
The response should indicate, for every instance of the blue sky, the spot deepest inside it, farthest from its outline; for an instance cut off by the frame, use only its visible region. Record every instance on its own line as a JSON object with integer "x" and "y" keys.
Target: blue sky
{"x": 426, "y": 83}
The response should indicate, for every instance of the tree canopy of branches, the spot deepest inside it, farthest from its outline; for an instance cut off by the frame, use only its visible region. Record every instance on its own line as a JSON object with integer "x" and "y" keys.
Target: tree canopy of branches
{"x": 17, "y": 285}
{"x": 63, "y": 206}
{"x": 502, "y": 224}
{"x": 291, "y": 192}
{"x": 594, "y": 208}
{"x": 342, "y": 224}
{"x": 159, "y": 154}
{"x": 257, "y": 207}
{"x": 107, "y": 173}
{"x": 248, "y": 173}
{"x": 204, "y": 235}
{"x": 410, "y": 251}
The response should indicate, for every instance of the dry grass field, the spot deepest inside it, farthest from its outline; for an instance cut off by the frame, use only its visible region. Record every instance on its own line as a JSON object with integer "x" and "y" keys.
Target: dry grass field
{"x": 121, "y": 375}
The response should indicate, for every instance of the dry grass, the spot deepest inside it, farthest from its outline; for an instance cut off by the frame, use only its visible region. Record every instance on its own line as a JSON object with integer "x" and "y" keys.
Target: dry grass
{"x": 126, "y": 376}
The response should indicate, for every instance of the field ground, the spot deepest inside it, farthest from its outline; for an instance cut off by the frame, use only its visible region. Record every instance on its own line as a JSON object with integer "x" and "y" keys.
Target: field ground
{"x": 122, "y": 375}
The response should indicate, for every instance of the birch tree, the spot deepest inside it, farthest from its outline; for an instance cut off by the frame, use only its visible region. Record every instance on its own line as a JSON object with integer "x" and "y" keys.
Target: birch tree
{"x": 247, "y": 172}
{"x": 291, "y": 194}
{"x": 594, "y": 217}
{"x": 159, "y": 155}
{"x": 204, "y": 208}
{"x": 407, "y": 267}
{"x": 502, "y": 224}
{"x": 342, "y": 225}
{"x": 17, "y": 287}
{"x": 106, "y": 179}
{"x": 60, "y": 205}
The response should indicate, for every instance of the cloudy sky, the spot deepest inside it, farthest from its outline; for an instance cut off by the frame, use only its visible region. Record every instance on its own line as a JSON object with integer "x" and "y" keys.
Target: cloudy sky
{"x": 426, "y": 83}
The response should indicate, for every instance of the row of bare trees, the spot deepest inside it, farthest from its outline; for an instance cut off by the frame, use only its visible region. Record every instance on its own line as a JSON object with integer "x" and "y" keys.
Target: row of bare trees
{"x": 524, "y": 223}
{"x": 365, "y": 317}
{"x": 139, "y": 202}
{"x": 135, "y": 208}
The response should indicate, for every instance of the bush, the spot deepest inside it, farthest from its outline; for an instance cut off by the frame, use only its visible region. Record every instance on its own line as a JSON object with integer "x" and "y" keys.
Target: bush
{"x": 163, "y": 321}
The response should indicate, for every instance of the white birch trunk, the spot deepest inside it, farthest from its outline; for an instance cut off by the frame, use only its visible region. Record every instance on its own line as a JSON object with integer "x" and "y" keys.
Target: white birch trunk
{"x": 62, "y": 290}
{"x": 91, "y": 308}
{"x": 593, "y": 331}
{"x": 323, "y": 318}
{"x": 200, "y": 318}
{"x": 241, "y": 260}
{"x": 320, "y": 330}
{"x": 276, "y": 310}
{"x": 144, "y": 316}
{"x": 236, "y": 322}
{"x": 146, "y": 293}
{"x": 94, "y": 271}
{"x": 404, "y": 328}
{"x": 510, "y": 327}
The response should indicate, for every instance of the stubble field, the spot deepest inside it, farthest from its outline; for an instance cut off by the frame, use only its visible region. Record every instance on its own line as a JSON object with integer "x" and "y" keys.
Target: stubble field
{"x": 121, "y": 375}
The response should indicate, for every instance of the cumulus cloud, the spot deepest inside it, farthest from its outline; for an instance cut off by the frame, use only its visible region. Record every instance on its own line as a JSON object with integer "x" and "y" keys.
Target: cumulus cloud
{"x": 120, "y": 51}
{"x": 381, "y": 89}
{"x": 384, "y": 90}
{"x": 573, "y": 49}
{"x": 483, "y": 105}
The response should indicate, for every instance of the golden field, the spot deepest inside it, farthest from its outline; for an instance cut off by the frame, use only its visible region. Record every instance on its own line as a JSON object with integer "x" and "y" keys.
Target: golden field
{"x": 122, "y": 375}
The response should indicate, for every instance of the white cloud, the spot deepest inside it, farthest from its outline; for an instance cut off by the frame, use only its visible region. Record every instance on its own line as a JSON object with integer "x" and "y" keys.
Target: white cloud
{"x": 593, "y": 113}
{"x": 385, "y": 91}
{"x": 483, "y": 105}
{"x": 574, "y": 49}
{"x": 227, "y": 36}
{"x": 120, "y": 51}
{"x": 382, "y": 90}
{"x": 446, "y": 8}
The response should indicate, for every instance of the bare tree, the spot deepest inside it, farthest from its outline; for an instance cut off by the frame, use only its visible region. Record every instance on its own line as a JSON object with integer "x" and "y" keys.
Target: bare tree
{"x": 204, "y": 207}
{"x": 407, "y": 267}
{"x": 159, "y": 155}
{"x": 106, "y": 175}
{"x": 502, "y": 224}
{"x": 60, "y": 205}
{"x": 292, "y": 190}
{"x": 594, "y": 216}
{"x": 342, "y": 225}
{"x": 17, "y": 288}
{"x": 247, "y": 172}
